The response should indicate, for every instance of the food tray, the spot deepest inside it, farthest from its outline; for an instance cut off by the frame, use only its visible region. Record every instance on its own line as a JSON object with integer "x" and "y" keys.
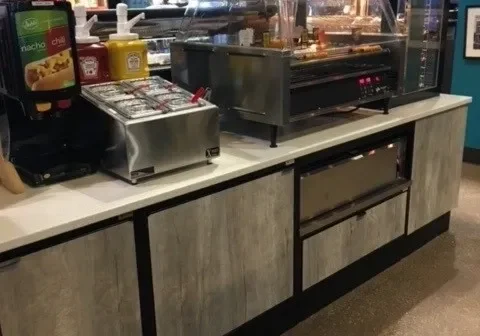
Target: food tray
{"x": 142, "y": 97}
{"x": 154, "y": 85}
{"x": 175, "y": 101}
{"x": 137, "y": 107}
{"x": 107, "y": 91}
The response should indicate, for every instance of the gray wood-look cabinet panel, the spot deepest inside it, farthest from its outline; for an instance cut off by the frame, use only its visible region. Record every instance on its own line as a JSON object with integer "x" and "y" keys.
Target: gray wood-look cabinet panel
{"x": 223, "y": 259}
{"x": 337, "y": 247}
{"x": 437, "y": 166}
{"x": 84, "y": 287}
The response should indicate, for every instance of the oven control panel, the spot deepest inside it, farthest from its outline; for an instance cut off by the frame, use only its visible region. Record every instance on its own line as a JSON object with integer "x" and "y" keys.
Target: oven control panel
{"x": 372, "y": 85}
{"x": 347, "y": 91}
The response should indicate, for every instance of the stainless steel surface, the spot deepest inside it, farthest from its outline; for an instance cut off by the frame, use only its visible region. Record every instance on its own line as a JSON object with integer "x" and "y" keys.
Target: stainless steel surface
{"x": 256, "y": 84}
{"x": 360, "y": 204}
{"x": 130, "y": 99}
{"x": 139, "y": 113}
{"x": 259, "y": 89}
{"x": 146, "y": 148}
{"x": 142, "y": 147}
{"x": 253, "y": 83}
{"x": 336, "y": 185}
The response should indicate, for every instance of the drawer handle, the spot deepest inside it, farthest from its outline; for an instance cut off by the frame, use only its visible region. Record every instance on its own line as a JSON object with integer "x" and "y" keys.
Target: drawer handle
{"x": 361, "y": 214}
{"x": 8, "y": 263}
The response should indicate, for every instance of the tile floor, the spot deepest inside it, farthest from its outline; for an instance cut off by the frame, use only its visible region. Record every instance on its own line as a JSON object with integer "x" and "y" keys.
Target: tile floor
{"x": 433, "y": 292}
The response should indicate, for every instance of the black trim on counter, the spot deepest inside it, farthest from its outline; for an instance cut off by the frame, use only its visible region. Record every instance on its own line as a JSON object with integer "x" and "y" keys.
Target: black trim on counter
{"x": 63, "y": 237}
{"x": 144, "y": 271}
{"x": 471, "y": 155}
{"x": 291, "y": 312}
{"x": 408, "y": 172}
{"x": 297, "y": 241}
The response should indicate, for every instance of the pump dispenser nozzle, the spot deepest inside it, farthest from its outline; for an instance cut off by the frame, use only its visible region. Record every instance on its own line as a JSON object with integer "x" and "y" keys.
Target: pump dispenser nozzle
{"x": 82, "y": 27}
{"x": 124, "y": 26}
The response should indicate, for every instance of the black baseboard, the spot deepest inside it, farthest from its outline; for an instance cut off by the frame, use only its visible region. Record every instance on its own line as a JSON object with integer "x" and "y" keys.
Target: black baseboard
{"x": 471, "y": 155}
{"x": 291, "y": 312}
{"x": 425, "y": 234}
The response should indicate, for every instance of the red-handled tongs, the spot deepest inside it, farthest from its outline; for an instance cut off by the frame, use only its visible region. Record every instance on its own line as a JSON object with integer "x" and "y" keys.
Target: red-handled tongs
{"x": 199, "y": 94}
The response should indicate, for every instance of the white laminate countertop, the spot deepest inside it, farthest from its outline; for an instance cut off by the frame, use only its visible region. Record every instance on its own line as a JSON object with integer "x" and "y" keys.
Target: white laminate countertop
{"x": 47, "y": 211}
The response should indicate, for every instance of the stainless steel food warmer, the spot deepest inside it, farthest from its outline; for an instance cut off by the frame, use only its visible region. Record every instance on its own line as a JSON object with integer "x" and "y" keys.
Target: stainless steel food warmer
{"x": 264, "y": 69}
{"x": 140, "y": 146}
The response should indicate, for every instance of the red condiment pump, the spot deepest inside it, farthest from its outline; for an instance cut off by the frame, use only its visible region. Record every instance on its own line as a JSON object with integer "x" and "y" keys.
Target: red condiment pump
{"x": 92, "y": 55}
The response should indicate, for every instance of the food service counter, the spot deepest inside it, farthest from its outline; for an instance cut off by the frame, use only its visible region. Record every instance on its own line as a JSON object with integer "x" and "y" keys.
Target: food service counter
{"x": 232, "y": 246}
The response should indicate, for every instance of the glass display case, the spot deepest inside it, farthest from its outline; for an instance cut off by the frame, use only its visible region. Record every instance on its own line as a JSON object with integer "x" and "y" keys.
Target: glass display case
{"x": 344, "y": 15}
{"x": 423, "y": 23}
{"x": 332, "y": 27}
{"x": 248, "y": 23}
{"x": 320, "y": 38}
{"x": 159, "y": 51}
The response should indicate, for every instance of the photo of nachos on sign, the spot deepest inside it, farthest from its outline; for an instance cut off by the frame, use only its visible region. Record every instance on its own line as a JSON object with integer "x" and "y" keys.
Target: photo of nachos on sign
{"x": 51, "y": 73}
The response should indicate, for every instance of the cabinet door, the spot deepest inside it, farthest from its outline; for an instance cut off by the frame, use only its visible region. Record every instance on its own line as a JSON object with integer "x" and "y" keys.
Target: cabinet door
{"x": 84, "y": 287}
{"x": 344, "y": 243}
{"x": 223, "y": 259}
{"x": 436, "y": 166}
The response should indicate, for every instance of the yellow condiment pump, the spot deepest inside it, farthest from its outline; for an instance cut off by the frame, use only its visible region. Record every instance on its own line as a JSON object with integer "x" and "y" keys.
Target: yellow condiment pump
{"x": 127, "y": 55}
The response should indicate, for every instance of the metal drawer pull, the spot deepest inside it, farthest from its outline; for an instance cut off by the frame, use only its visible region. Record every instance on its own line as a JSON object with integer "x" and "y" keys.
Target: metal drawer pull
{"x": 8, "y": 263}
{"x": 359, "y": 208}
{"x": 361, "y": 214}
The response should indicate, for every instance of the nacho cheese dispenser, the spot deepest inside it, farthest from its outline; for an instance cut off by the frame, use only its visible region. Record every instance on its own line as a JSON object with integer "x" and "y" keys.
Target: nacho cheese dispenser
{"x": 37, "y": 55}
{"x": 127, "y": 54}
{"x": 92, "y": 55}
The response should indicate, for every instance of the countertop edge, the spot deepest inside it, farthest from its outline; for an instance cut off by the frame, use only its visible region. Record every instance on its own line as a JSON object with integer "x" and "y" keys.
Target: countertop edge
{"x": 136, "y": 202}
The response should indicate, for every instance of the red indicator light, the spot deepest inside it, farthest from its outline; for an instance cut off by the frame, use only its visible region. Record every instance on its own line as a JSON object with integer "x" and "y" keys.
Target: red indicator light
{"x": 377, "y": 79}
{"x": 368, "y": 80}
{"x": 361, "y": 81}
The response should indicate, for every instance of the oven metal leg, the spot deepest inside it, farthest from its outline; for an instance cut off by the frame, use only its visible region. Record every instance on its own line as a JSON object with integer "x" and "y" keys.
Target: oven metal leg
{"x": 273, "y": 136}
{"x": 386, "y": 103}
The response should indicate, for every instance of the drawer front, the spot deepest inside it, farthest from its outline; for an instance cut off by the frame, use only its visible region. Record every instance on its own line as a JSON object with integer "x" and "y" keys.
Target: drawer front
{"x": 337, "y": 247}
{"x": 336, "y": 185}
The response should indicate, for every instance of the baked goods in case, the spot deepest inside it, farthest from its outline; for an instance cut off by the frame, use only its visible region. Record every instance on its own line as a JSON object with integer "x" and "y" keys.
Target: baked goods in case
{"x": 366, "y": 49}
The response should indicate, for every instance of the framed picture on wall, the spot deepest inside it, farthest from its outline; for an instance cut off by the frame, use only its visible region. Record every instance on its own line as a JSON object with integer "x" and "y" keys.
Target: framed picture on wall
{"x": 472, "y": 32}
